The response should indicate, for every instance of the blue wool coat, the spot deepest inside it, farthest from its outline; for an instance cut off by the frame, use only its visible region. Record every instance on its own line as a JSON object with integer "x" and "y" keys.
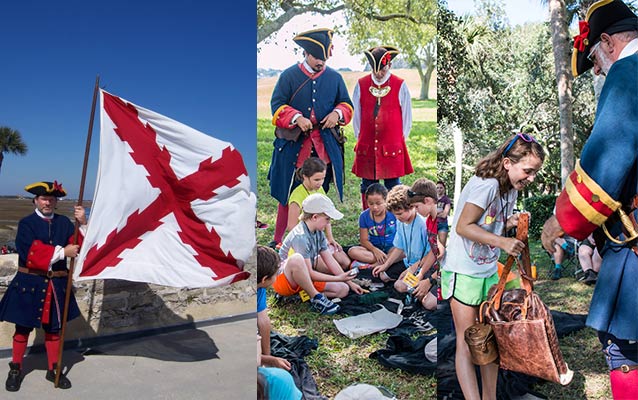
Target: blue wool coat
{"x": 23, "y": 301}
{"x": 605, "y": 178}
{"x": 322, "y": 93}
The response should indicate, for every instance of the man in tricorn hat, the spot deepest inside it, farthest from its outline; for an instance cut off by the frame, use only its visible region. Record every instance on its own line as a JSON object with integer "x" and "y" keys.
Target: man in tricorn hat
{"x": 600, "y": 196}
{"x": 35, "y": 296}
{"x": 314, "y": 98}
{"x": 382, "y": 120}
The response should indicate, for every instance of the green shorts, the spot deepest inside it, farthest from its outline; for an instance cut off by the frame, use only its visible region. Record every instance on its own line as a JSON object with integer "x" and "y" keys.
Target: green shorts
{"x": 466, "y": 289}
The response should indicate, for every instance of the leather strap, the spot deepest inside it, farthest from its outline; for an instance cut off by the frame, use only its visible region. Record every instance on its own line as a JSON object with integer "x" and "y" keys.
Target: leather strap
{"x": 626, "y": 368}
{"x": 48, "y": 274}
{"x": 522, "y": 262}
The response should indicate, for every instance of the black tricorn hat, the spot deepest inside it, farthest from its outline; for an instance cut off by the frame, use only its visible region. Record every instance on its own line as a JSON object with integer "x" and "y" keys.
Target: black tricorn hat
{"x": 54, "y": 189}
{"x": 604, "y": 16}
{"x": 317, "y": 42}
{"x": 379, "y": 57}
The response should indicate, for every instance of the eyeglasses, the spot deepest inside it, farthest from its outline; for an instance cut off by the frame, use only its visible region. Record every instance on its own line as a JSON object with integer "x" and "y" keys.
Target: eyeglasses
{"x": 592, "y": 53}
{"x": 524, "y": 136}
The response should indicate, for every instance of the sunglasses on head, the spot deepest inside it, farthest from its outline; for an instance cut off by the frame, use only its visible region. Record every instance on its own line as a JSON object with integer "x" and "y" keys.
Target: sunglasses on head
{"x": 524, "y": 136}
{"x": 412, "y": 194}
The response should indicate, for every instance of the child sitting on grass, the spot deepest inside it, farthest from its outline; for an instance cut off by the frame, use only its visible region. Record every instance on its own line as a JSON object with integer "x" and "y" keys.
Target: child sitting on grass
{"x": 410, "y": 251}
{"x": 308, "y": 241}
{"x": 377, "y": 227}
{"x": 311, "y": 174}
{"x": 422, "y": 196}
{"x": 267, "y": 266}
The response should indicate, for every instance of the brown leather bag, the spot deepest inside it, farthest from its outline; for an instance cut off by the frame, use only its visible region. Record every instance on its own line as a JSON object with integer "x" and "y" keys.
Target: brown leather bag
{"x": 482, "y": 343}
{"x": 522, "y": 324}
{"x": 288, "y": 134}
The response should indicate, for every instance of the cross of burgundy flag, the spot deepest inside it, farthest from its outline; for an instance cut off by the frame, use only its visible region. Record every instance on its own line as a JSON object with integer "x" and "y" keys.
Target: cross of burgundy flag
{"x": 172, "y": 205}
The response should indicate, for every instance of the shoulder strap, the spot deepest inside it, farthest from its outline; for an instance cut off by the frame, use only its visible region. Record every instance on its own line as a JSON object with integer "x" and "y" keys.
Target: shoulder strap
{"x": 299, "y": 88}
{"x": 522, "y": 262}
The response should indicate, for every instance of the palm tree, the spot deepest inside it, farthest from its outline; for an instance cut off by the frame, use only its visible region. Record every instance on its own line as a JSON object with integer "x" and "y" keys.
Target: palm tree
{"x": 10, "y": 142}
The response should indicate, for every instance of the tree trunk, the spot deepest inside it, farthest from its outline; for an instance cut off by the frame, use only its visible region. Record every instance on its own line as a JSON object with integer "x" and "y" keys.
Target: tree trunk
{"x": 564, "y": 79}
{"x": 423, "y": 95}
{"x": 1, "y": 159}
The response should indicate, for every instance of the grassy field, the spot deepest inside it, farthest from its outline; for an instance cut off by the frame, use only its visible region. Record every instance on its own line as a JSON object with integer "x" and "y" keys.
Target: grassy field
{"x": 340, "y": 361}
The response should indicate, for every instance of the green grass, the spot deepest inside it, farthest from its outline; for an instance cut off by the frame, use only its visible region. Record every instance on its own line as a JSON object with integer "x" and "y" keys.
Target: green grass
{"x": 340, "y": 361}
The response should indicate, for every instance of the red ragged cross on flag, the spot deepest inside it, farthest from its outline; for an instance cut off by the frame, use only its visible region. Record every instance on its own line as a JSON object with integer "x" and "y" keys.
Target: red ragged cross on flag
{"x": 172, "y": 205}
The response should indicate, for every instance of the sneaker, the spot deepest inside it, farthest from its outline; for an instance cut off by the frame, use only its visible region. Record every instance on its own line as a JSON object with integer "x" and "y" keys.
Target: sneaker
{"x": 322, "y": 305}
{"x": 556, "y": 274}
{"x": 590, "y": 277}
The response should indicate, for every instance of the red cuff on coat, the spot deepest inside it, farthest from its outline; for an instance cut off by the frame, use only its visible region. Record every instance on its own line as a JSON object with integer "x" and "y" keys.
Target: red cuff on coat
{"x": 40, "y": 255}
{"x": 284, "y": 115}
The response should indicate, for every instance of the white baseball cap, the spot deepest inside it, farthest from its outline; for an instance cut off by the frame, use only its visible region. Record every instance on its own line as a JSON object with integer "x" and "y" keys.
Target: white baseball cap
{"x": 318, "y": 203}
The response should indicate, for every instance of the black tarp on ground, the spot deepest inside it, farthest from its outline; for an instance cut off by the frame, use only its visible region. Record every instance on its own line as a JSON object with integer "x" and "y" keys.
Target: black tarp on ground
{"x": 294, "y": 349}
{"x": 406, "y": 354}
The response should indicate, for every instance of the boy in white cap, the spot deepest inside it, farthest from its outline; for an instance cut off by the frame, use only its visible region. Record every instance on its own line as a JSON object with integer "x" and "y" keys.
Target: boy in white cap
{"x": 308, "y": 241}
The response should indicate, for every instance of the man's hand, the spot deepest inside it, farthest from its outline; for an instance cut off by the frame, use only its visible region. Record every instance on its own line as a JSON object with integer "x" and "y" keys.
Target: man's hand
{"x": 330, "y": 121}
{"x": 551, "y": 231}
{"x": 80, "y": 214}
{"x": 304, "y": 123}
{"x": 71, "y": 250}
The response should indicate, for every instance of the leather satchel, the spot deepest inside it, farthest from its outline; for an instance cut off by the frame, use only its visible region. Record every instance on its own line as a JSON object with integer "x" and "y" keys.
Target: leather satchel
{"x": 291, "y": 134}
{"x": 522, "y": 323}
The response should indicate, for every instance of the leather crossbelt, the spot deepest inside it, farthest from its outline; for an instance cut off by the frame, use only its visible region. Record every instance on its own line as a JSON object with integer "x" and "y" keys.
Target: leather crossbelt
{"x": 48, "y": 274}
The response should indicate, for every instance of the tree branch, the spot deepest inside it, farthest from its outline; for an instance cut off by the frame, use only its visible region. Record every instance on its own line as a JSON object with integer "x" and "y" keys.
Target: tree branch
{"x": 275, "y": 25}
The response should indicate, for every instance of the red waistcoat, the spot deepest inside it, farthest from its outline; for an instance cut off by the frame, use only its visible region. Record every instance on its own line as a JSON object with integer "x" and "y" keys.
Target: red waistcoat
{"x": 380, "y": 151}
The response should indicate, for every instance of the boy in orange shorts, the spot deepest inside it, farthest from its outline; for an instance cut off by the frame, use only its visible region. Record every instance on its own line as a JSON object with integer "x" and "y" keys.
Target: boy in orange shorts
{"x": 308, "y": 241}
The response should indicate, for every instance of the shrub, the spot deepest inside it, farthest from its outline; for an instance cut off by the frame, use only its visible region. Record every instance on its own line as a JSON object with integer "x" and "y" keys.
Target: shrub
{"x": 541, "y": 208}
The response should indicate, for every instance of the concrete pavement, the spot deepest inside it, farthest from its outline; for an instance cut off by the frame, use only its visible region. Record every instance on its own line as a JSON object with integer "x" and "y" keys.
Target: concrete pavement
{"x": 211, "y": 362}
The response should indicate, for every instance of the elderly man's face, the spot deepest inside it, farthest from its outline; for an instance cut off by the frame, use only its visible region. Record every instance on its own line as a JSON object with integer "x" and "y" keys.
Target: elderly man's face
{"x": 316, "y": 64}
{"x": 602, "y": 55}
{"x": 46, "y": 204}
{"x": 381, "y": 73}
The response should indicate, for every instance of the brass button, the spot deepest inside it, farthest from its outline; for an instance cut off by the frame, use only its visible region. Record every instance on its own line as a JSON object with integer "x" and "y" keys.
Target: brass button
{"x": 609, "y": 342}
{"x": 44, "y": 290}
{"x": 41, "y": 300}
{"x": 579, "y": 179}
{"x": 595, "y": 198}
{"x": 46, "y": 281}
{"x": 40, "y": 309}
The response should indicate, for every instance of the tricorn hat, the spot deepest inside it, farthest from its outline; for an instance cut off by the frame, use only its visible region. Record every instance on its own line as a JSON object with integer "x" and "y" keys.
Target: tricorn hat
{"x": 379, "y": 57}
{"x": 317, "y": 42}
{"x": 54, "y": 189}
{"x": 604, "y": 16}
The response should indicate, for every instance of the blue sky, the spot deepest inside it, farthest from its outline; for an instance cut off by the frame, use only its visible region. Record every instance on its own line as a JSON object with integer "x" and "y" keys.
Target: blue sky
{"x": 193, "y": 61}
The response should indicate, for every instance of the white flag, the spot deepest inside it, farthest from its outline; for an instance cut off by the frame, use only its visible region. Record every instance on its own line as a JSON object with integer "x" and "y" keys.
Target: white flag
{"x": 172, "y": 206}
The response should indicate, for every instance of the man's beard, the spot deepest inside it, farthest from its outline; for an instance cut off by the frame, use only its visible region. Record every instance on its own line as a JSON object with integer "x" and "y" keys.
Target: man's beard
{"x": 605, "y": 62}
{"x": 318, "y": 68}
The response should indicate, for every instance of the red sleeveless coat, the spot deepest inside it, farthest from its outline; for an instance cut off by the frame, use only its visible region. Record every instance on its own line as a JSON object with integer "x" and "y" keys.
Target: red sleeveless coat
{"x": 380, "y": 152}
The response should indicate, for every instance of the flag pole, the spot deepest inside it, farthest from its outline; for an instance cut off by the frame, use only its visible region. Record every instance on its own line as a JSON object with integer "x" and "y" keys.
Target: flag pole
{"x": 69, "y": 283}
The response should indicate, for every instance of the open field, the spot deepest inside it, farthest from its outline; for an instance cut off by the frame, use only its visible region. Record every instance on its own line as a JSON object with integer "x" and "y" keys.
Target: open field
{"x": 14, "y": 209}
{"x": 265, "y": 87}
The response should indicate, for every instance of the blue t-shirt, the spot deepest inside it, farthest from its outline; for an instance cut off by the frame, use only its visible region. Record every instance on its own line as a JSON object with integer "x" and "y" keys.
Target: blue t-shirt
{"x": 381, "y": 234}
{"x": 412, "y": 239}
{"x": 280, "y": 384}
{"x": 261, "y": 299}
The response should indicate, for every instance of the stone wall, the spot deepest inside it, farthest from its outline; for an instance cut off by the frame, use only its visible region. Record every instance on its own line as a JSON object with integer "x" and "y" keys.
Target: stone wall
{"x": 114, "y": 306}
